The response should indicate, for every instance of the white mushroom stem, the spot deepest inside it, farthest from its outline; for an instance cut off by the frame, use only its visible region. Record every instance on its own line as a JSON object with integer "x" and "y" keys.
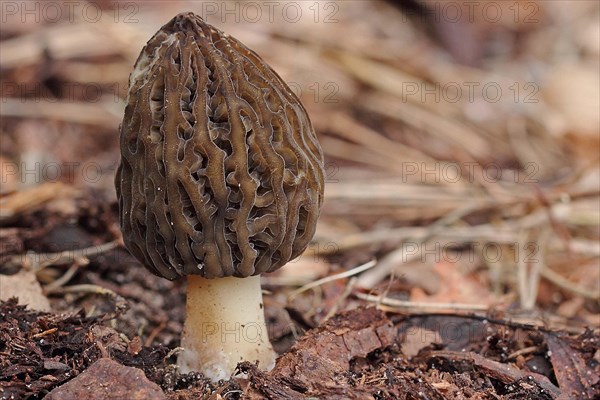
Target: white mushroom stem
{"x": 225, "y": 324}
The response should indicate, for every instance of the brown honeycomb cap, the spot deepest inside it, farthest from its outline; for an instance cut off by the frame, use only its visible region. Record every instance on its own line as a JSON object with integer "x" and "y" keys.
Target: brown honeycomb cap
{"x": 221, "y": 173}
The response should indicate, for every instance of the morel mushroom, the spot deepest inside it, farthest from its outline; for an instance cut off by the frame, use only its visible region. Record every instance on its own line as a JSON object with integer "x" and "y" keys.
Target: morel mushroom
{"x": 220, "y": 180}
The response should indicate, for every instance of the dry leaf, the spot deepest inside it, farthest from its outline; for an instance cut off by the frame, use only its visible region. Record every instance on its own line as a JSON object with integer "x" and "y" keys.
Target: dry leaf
{"x": 26, "y": 287}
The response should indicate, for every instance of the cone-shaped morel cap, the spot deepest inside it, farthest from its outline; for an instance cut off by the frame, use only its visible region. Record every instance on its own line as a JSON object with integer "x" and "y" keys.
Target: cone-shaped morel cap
{"x": 221, "y": 173}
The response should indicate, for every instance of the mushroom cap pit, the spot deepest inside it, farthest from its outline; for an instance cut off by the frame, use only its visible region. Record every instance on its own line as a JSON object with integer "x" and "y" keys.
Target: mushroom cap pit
{"x": 221, "y": 173}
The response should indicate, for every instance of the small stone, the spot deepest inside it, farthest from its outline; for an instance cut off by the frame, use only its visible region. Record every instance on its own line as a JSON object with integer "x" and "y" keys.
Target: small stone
{"x": 107, "y": 379}
{"x": 55, "y": 365}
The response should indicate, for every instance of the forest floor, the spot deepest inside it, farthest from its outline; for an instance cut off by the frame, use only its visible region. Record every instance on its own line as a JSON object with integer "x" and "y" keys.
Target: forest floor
{"x": 457, "y": 252}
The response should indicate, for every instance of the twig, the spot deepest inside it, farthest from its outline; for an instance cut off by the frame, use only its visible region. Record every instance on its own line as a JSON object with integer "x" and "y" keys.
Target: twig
{"x": 38, "y": 261}
{"x": 566, "y": 284}
{"x": 502, "y": 372}
{"x": 85, "y": 288}
{"x": 76, "y": 40}
{"x": 285, "y": 281}
{"x": 538, "y": 265}
{"x": 176, "y": 350}
{"x": 463, "y": 234}
{"x": 154, "y": 333}
{"x": 31, "y": 199}
{"x": 526, "y": 350}
{"x": 66, "y": 277}
{"x": 522, "y": 277}
{"x": 341, "y": 298}
{"x": 120, "y": 301}
{"x": 46, "y": 332}
{"x": 421, "y": 305}
{"x": 319, "y": 282}
{"x": 347, "y": 127}
{"x": 399, "y": 256}
{"x": 445, "y": 129}
{"x": 99, "y": 114}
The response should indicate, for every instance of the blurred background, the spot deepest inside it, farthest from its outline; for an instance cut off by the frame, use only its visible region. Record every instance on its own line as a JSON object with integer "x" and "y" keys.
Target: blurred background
{"x": 461, "y": 138}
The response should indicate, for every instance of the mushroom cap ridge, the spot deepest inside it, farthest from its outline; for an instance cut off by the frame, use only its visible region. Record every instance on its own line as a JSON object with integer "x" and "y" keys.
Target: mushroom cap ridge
{"x": 221, "y": 173}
